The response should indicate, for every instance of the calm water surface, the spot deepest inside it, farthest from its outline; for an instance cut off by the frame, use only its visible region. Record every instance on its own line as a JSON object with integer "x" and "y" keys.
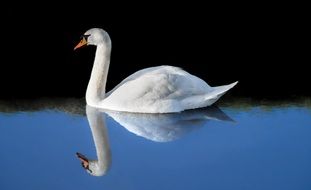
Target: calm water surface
{"x": 225, "y": 147}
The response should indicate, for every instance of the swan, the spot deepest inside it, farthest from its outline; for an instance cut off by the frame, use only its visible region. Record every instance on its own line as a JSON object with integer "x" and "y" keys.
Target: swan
{"x": 98, "y": 127}
{"x": 160, "y": 89}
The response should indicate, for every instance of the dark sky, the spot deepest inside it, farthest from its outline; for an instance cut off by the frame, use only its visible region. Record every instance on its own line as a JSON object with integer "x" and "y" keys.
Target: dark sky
{"x": 264, "y": 47}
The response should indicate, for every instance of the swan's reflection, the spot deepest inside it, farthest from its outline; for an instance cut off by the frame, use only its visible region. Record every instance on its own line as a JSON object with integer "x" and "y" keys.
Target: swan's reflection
{"x": 155, "y": 127}
{"x": 167, "y": 127}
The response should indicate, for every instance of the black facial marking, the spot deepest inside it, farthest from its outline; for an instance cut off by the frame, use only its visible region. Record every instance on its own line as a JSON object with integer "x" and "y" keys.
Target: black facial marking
{"x": 85, "y": 36}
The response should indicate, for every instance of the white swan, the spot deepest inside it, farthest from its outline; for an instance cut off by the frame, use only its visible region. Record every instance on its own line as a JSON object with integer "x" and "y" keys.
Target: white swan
{"x": 162, "y": 89}
{"x": 98, "y": 127}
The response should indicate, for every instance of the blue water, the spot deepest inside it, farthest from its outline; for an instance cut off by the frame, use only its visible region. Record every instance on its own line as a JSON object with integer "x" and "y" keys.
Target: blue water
{"x": 230, "y": 148}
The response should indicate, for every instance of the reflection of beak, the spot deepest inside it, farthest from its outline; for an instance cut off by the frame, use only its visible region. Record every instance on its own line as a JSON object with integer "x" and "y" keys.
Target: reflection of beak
{"x": 84, "y": 160}
{"x": 82, "y": 43}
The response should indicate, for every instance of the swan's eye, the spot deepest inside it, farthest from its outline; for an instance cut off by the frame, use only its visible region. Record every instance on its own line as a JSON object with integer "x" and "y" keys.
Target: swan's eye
{"x": 85, "y": 36}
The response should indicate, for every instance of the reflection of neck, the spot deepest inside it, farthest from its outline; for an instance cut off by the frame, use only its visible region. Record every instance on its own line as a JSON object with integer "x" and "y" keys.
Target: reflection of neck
{"x": 99, "y": 132}
{"x": 97, "y": 84}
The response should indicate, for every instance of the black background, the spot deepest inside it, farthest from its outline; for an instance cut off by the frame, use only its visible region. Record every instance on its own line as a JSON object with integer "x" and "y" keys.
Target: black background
{"x": 264, "y": 47}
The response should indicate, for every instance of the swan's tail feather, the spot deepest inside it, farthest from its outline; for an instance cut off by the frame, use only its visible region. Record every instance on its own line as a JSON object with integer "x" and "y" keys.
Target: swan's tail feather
{"x": 217, "y": 92}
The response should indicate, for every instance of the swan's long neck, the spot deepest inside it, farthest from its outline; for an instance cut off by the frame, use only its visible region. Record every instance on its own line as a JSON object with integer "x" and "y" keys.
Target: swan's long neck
{"x": 97, "y": 85}
{"x": 99, "y": 132}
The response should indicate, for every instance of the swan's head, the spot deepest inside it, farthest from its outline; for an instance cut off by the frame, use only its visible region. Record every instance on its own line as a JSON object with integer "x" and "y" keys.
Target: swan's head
{"x": 92, "y": 167}
{"x": 94, "y": 36}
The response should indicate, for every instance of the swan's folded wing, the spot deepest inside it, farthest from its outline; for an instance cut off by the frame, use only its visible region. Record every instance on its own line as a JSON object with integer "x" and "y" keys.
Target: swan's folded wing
{"x": 137, "y": 93}
{"x": 134, "y": 76}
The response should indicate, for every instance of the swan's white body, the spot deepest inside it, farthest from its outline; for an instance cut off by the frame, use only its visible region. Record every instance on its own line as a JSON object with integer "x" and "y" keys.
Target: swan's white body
{"x": 162, "y": 89}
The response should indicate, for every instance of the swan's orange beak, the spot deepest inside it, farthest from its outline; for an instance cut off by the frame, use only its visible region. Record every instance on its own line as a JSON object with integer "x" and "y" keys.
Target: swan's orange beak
{"x": 84, "y": 160}
{"x": 83, "y": 42}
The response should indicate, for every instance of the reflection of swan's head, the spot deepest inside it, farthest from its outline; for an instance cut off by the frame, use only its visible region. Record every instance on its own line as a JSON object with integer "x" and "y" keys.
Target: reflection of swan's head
{"x": 92, "y": 166}
{"x": 94, "y": 36}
